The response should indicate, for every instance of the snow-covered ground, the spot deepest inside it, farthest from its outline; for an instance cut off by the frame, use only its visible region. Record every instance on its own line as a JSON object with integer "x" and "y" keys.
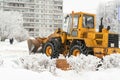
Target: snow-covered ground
{"x": 17, "y": 64}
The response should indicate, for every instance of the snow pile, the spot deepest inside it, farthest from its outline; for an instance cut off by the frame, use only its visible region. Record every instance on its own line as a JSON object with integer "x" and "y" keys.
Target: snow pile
{"x": 92, "y": 63}
{"x": 39, "y": 63}
{"x": 111, "y": 61}
{"x": 83, "y": 63}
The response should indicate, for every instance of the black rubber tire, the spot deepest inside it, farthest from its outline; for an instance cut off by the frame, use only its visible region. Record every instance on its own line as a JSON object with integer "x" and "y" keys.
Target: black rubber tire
{"x": 55, "y": 48}
{"x": 83, "y": 48}
{"x": 46, "y": 45}
{"x": 79, "y": 45}
{"x": 58, "y": 46}
{"x": 73, "y": 48}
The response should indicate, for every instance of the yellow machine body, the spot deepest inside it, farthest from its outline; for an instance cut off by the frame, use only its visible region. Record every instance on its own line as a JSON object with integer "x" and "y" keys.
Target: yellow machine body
{"x": 81, "y": 37}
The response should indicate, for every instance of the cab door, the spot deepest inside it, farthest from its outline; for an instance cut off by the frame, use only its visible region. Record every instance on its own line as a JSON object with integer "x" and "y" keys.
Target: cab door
{"x": 75, "y": 24}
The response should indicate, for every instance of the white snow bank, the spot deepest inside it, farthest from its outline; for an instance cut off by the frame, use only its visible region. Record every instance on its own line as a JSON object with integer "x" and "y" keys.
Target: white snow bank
{"x": 22, "y": 74}
{"x": 111, "y": 61}
{"x": 16, "y": 46}
{"x": 83, "y": 63}
{"x": 14, "y": 50}
{"x": 109, "y": 74}
{"x": 37, "y": 63}
{"x": 92, "y": 63}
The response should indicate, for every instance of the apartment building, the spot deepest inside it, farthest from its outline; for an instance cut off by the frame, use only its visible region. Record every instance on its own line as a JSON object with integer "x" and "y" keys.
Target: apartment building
{"x": 41, "y": 17}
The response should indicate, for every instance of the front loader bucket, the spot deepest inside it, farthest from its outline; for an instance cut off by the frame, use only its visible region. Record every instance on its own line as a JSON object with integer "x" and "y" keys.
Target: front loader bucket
{"x": 33, "y": 45}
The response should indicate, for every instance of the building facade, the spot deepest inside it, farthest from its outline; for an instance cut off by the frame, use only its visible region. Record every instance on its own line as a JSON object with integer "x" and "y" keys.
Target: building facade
{"x": 41, "y": 17}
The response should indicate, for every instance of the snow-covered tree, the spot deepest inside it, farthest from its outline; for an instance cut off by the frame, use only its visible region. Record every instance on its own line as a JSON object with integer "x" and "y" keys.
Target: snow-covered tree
{"x": 109, "y": 12}
{"x": 11, "y": 25}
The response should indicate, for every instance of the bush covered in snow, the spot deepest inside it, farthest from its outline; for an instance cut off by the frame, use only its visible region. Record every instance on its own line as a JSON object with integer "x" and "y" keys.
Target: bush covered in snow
{"x": 92, "y": 63}
{"x": 111, "y": 61}
{"x": 38, "y": 63}
{"x": 83, "y": 62}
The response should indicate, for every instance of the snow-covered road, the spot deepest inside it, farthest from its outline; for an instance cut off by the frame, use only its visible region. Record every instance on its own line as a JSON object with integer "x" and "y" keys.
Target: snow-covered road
{"x": 15, "y": 50}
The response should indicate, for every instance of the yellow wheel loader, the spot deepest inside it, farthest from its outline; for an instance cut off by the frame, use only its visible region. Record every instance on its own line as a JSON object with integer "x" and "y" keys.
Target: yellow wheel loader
{"x": 81, "y": 37}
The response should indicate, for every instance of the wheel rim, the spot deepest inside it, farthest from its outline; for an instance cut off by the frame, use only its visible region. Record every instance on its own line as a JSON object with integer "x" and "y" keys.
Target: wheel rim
{"x": 48, "y": 50}
{"x": 76, "y": 52}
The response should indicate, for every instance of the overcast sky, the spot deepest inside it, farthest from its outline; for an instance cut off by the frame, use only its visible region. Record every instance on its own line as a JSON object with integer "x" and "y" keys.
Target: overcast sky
{"x": 81, "y": 5}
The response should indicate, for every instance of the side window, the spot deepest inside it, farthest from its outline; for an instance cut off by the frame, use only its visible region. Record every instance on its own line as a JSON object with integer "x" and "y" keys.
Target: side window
{"x": 75, "y": 21}
{"x": 69, "y": 24}
{"x": 88, "y": 21}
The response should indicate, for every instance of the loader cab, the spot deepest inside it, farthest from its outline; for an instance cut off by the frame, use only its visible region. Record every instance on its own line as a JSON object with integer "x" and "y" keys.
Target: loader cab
{"x": 78, "y": 23}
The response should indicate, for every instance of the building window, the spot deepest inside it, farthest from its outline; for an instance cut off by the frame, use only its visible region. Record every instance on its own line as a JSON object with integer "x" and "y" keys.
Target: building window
{"x": 6, "y": 9}
{"x": 60, "y": 7}
{"x": 37, "y": 20}
{"x": 36, "y": 10}
{"x": 37, "y": 6}
{"x": 55, "y": 25}
{"x": 50, "y": 21}
{"x": 37, "y": 29}
{"x": 31, "y": 0}
{"x": 41, "y": 11}
{"x": 31, "y": 29}
{"x": 50, "y": 11}
{"x": 50, "y": 25}
{"x": 37, "y": 15}
{"x": 56, "y": 16}
{"x": 16, "y": 4}
{"x": 31, "y": 10}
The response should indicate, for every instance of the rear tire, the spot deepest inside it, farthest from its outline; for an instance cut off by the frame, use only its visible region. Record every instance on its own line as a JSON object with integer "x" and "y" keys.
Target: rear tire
{"x": 75, "y": 50}
{"x": 81, "y": 47}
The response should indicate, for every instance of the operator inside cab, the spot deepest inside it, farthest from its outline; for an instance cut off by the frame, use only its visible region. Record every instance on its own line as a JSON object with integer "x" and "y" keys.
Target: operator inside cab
{"x": 88, "y": 21}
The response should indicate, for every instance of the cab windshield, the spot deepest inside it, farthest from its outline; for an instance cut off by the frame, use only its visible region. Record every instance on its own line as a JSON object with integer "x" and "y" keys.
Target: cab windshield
{"x": 88, "y": 21}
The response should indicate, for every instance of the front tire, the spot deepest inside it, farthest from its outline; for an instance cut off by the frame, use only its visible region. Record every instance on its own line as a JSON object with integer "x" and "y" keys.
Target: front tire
{"x": 50, "y": 49}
